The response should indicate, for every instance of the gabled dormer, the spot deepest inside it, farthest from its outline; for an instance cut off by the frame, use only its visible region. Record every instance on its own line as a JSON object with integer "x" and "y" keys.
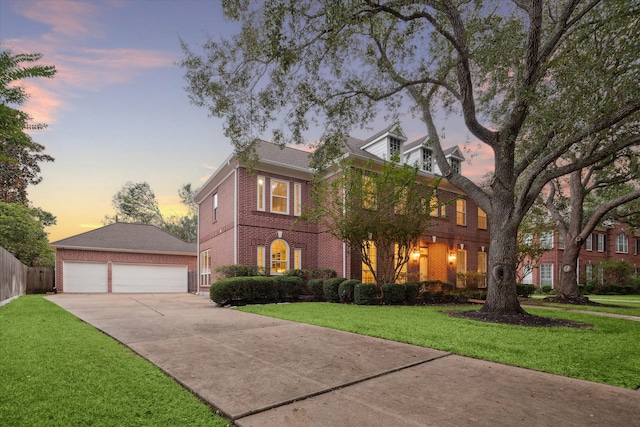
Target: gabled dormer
{"x": 386, "y": 143}
{"x": 419, "y": 153}
{"x": 455, "y": 158}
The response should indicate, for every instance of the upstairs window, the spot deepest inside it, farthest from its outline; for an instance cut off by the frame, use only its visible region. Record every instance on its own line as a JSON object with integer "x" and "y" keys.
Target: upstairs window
{"x": 588, "y": 244}
{"x": 261, "y": 184}
{"x": 461, "y": 212}
{"x": 622, "y": 244}
{"x": 297, "y": 199}
{"x": 482, "y": 219}
{"x": 600, "y": 242}
{"x": 279, "y": 196}
{"x": 546, "y": 241}
{"x": 427, "y": 160}
{"x": 215, "y": 207}
{"x": 394, "y": 146}
{"x": 369, "y": 199}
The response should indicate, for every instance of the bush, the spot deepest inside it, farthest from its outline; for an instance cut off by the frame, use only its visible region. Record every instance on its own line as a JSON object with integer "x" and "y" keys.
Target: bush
{"x": 289, "y": 288}
{"x": 345, "y": 290}
{"x": 325, "y": 273}
{"x": 545, "y": 289}
{"x": 411, "y": 292}
{"x": 525, "y": 290}
{"x": 466, "y": 294}
{"x": 365, "y": 293}
{"x": 238, "y": 270}
{"x": 244, "y": 290}
{"x": 393, "y": 293}
{"x": 317, "y": 289}
{"x": 331, "y": 293}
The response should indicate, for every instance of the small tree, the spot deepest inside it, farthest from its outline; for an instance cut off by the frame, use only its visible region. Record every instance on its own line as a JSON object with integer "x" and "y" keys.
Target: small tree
{"x": 382, "y": 206}
{"x": 22, "y": 233}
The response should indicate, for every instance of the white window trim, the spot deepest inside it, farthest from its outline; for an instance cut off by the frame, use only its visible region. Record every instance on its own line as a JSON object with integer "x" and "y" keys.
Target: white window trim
{"x": 599, "y": 239}
{"x": 297, "y": 258}
{"x": 260, "y": 256}
{"x": 463, "y": 212}
{"x": 279, "y": 181}
{"x": 550, "y": 265}
{"x": 297, "y": 199}
{"x": 622, "y": 244}
{"x": 205, "y": 270}
{"x": 260, "y": 192}
{"x": 215, "y": 207}
{"x": 287, "y": 261}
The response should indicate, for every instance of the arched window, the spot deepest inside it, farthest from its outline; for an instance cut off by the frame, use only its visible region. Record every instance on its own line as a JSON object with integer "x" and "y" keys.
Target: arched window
{"x": 279, "y": 257}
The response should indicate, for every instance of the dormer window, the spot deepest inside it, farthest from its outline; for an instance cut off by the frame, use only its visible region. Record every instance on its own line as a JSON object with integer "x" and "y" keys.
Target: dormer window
{"x": 455, "y": 165}
{"x": 394, "y": 146}
{"x": 427, "y": 160}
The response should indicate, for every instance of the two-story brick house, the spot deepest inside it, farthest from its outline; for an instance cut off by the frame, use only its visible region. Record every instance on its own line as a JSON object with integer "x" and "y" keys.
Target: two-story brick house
{"x": 616, "y": 241}
{"x": 253, "y": 216}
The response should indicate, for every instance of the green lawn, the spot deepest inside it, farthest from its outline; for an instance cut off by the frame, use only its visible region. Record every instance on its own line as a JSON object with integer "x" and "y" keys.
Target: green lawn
{"x": 57, "y": 370}
{"x": 608, "y": 352}
{"x": 626, "y": 304}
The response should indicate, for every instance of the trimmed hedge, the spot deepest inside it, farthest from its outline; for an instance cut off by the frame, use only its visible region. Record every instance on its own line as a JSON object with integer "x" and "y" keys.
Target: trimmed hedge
{"x": 393, "y": 293}
{"x": 255, "y": 290}
{"x": 365, "y": 294}
{"x": 411, "y": 292}
{"x": 331, "y": 292}
{"x": 316, "y": 286}
{"x": 524, "y": 290}
{"x": 345, "y": 290}
{"x": 238, "y": 270}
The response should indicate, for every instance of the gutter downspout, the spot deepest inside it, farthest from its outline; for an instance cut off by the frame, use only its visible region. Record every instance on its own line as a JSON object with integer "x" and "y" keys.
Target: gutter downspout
{"x": 235, "y": 216}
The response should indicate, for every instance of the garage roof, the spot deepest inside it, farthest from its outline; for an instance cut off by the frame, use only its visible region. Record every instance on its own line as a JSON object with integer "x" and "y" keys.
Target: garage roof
{"x": 128, "y": 237}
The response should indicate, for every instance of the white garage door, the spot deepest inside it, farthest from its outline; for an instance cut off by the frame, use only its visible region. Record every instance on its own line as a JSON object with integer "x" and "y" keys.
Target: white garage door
{"x": 84, "y": 276}
{"x": 148, "y": 278}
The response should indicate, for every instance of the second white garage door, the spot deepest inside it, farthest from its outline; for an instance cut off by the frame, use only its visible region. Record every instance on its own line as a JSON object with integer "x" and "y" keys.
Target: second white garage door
{"x": 148, "y": 278}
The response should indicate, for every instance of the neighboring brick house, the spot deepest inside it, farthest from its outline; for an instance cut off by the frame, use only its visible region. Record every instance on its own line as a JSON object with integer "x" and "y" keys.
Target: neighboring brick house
{"x": 616, "y": 241}
{"x": 124, "y": 257}
{"x": 252, "y": 217}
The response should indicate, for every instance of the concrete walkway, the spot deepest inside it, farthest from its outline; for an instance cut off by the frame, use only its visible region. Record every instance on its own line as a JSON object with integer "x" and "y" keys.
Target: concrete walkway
{"x": 260, "y": 371}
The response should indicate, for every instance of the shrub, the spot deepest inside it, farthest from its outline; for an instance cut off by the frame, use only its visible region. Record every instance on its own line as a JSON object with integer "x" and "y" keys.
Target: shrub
{"x": 325, "y": 273}
{"x": 393, "y": 293}
{"x": 411, "y": 292}
{"x": 345, "y": 290}
{"x": 466, "y": 293}
{"x": 289, "y": 288}
{"x": 524, "y": 290}
{"x": 238, "y": 270}
{"x": 317, "y": 289}
{"x": 546, "y": 289}
{"x": 244, "y": 290}
{"x": 365, "y": 293}
{"x": 331, "y": 293}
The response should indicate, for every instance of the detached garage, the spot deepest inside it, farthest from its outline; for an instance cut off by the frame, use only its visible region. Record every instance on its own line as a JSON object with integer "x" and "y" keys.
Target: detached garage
{"x": 122, "y": 258}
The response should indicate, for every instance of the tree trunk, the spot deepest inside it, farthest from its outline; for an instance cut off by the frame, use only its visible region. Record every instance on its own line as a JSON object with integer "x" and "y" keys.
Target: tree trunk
{"x": 502, "y": 297}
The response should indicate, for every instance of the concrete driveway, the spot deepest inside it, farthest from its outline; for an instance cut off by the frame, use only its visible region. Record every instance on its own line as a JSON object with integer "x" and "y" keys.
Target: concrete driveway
{"x": 259, "y": 371}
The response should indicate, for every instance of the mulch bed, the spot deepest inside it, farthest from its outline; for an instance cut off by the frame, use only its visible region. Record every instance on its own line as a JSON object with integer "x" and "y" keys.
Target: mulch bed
{"x": 522, "y": 319}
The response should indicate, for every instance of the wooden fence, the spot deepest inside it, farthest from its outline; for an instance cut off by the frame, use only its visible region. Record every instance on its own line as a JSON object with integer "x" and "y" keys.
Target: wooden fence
{"x": 18, "y": 279}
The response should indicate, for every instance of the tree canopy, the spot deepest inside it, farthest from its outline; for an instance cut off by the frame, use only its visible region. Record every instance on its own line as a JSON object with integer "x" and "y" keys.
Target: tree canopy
{"x": 382, "y": 208}
{"x": 137, "y": 203}
{"x": 532, "y": 81}
{"x": 22, "y": 233}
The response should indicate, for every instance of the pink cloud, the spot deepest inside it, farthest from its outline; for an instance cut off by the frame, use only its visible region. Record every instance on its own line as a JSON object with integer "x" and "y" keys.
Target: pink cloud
{"x": 42, "y": 103}
{"x": 66, "y": 18}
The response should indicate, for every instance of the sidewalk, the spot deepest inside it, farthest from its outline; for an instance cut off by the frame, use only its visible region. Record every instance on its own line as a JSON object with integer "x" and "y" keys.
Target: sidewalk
{"x": 260, "y": 371}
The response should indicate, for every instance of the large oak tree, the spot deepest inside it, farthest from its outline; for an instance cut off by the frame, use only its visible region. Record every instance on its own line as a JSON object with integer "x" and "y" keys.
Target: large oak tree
{"x": 513, "y": 71}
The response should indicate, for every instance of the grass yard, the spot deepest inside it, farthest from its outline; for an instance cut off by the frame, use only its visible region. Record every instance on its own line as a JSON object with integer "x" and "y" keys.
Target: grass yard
{"x": 608, "y": 352}
{"x": 627, "y": 304}
{"x": 57, "y": 370}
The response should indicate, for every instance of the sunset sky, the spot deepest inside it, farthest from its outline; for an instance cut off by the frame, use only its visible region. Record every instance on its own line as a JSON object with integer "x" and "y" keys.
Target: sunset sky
{"x": 117, "y": 110}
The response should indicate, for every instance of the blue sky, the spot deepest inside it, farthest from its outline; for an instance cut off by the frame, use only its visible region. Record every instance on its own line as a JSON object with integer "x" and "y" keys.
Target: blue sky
{"x": 117, "y": 110}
